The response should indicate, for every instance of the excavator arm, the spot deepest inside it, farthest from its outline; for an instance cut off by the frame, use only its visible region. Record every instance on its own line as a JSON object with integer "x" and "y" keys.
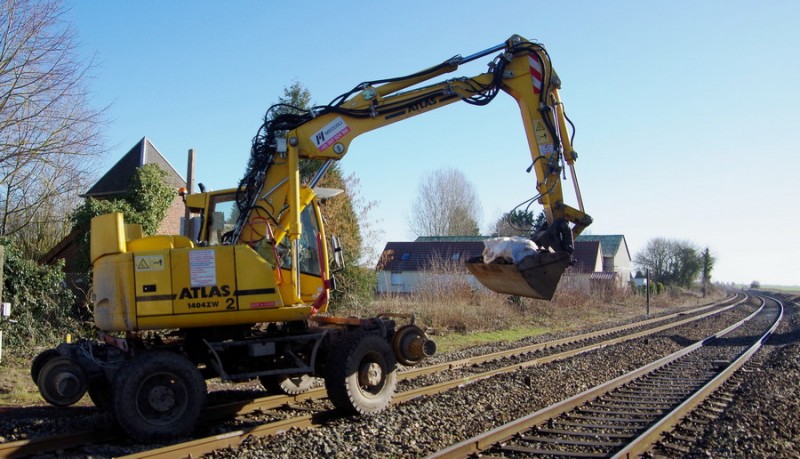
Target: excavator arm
{"x": 271, "y": 190}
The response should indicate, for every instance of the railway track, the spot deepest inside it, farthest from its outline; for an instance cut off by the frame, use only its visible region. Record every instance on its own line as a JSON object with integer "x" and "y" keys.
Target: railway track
{"x": 558, "y": 349}
{"x": 636, "y": 412}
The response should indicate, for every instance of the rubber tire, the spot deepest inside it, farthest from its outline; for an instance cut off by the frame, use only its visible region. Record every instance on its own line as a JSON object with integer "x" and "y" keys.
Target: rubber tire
{"x": 271, "y": 384}
{"x": 100, "y": 392}
{"x": 158, "y": 376}
{"x": 40, "y": 361}
{"x": 348, "y": 355}
{"x": 50, "y": 387}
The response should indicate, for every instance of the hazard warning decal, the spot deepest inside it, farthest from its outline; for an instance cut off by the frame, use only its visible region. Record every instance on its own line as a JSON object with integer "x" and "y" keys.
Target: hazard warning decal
{"x": 330, "y": 133}
{"x": 540, "y": 132}
{"x": 536, "y": 73}
{"x": 149, "y": 262}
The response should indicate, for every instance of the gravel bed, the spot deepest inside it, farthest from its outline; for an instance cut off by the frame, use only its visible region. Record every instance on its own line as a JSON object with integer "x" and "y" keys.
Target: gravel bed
{"x": 762, "y": 420}
{"x": 432, "y": 423}
{"x": 31, "y": 422}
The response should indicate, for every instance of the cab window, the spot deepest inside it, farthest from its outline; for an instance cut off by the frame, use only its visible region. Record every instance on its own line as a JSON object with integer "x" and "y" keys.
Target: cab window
{"x": 221, "y": 218}
{"x": 309, "y": 255}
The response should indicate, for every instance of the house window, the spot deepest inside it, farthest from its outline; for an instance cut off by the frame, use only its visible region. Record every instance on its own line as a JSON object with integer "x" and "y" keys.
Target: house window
{"x": 455, "y": 256}
{"x": 405, "y": 256}
{"x": 397, "y": 278}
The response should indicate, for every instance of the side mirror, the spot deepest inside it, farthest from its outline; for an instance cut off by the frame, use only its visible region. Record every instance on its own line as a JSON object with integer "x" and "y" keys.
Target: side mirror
{"x": 338, "y": 257}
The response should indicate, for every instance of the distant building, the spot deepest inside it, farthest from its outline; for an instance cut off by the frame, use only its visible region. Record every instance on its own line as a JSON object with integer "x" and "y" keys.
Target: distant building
{"x": 115, "y": 183}
{"x": 402, "y": 264}
{"x": 616, "y": 256}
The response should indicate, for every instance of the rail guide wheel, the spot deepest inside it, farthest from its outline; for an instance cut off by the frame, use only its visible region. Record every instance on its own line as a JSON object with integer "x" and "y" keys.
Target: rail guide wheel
{"x": 158, "y": 396}
{"x": 61, "y": 381}
{"x": 361, "y": 374}
{"x": 40, "y": 361}
{"x": 288, "y": 384}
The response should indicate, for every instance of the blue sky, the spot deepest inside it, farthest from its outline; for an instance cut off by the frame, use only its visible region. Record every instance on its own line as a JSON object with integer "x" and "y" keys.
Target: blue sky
{"x": 686, "y": 111}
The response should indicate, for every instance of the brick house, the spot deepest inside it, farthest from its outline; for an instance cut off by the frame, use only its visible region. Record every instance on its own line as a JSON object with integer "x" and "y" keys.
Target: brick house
{"x": 115, "y": 183}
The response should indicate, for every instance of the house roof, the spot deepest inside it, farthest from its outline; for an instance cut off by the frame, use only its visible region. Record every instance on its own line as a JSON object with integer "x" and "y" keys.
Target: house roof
{"x": 452, "y": 238}
{"x": 418, "y": 256}
{"x": 586, "y": 255}
{"x": 117, "y": 180}
{"x": 611, "y": 243}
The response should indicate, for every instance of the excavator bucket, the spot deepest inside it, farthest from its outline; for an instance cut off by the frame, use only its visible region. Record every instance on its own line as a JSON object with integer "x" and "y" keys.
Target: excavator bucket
{"x": 534, "y": 276}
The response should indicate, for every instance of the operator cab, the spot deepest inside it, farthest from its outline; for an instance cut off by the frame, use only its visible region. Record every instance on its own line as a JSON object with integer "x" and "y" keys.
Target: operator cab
{"x": 218, "y": 213}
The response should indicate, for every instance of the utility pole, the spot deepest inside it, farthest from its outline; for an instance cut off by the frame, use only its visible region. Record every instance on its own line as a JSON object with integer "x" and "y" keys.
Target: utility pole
{"x": 187, "y": 230}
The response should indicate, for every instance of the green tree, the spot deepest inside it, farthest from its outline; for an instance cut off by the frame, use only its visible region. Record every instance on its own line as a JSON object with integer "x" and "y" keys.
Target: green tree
{"x": 345, "y": 215}
{"x": 146, "y": 203}
{"x": 707, "y": 262}
{"x": 519, "y": 222}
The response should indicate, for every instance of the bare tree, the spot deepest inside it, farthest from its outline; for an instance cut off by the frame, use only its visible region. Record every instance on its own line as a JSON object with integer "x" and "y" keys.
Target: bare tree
{"x": 49, "y": 133}
{"x": 446, "y": 205}
{"x": 671, "y": 261}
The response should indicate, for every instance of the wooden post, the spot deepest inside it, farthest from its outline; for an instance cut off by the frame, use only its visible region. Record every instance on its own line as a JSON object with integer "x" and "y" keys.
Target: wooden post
{"x": 647, "y": 288}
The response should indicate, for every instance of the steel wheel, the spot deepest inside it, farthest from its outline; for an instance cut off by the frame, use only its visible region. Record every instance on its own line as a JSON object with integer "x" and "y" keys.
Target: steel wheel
{"x": 40, "y": 361}
{"x": 158, "y": 396}
{"x": 361, "y": 374}
{"x": 288, "y": 384}
{"x": 61, "y": 381}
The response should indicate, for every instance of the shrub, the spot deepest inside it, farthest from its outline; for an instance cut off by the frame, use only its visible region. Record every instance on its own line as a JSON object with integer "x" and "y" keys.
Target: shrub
{"x": 41, "y": 303}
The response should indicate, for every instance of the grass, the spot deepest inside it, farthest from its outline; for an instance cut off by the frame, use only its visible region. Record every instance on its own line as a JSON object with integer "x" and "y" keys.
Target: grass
{"x": 455, "y": 341}
{"x": 16, "y": 386}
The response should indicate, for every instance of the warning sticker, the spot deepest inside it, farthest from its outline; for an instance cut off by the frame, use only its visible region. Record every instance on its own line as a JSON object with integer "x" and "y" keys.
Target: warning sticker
{"x": 540, "y": 132}
{"x": 149, "y": 262}
{"x": 546, "y": 149}
{"x": 202, "y": 268}
{"x": 263, "y": 304}
{"x": 330, "y": 133}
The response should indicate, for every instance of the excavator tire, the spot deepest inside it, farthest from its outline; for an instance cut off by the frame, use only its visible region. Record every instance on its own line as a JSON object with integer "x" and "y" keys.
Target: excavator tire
{"x": 99, "y": 391}
{"x": 361, "y": 374}
{"x": 158, "y": 396}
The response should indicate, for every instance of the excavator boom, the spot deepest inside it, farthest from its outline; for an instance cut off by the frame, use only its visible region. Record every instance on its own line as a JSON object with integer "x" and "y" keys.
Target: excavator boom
{"x": 271, "y": 189}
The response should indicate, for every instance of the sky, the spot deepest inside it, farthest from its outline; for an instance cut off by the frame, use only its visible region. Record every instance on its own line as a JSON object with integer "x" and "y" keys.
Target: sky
{"x": 686, "y": 112}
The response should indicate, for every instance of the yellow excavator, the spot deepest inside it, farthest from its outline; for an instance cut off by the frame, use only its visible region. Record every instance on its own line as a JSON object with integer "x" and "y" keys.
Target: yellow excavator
{"x": 246, "y": 297}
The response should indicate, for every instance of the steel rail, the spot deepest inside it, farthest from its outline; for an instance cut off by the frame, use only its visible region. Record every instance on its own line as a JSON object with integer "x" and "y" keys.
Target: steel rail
{"x": 507, "y": 431}
{"x": 28, "y": 447}
{"x": 651, "y": 436}
{"x": 234, "y": 438}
